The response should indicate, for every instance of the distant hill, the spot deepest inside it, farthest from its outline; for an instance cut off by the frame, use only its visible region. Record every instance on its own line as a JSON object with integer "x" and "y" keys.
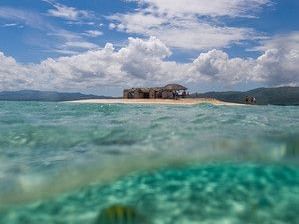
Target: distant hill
{"x": 264, "y": 96}
{"x": 34, "y": 95}
{"x": 275, "y": 96}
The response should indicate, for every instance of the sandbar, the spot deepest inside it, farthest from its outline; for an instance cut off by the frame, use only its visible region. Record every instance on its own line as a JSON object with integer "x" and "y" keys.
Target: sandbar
{"x": 187, "y": 101}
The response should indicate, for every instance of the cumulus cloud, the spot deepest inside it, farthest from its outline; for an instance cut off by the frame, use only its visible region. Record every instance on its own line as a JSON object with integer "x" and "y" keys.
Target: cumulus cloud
{"x": 190, "y": 24}
{"x": 279, "y": 64}
{"x": 216, "y": 66}
{"x": 279, "y": 68}
{"x": 146, "y": 62}
{"x": 138, "y": 62}
{"x": 12, "y": 74}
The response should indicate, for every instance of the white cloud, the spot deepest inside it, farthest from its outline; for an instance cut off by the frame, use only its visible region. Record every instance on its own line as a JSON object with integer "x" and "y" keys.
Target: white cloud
{"x": 189, "y": 24}
{"x": 57, "y": 39}
{"x": 284, "y": 42}
{"x": 64, "y": 51}
{"x": 216, "y": 66}
{"x": 66, "y": 12}
{"x": 139, "y": 62}
{"x": 9, "y": 25}
{"x": 12, "y": 74}
{"x": 184, "y": 33}
{"x": 81, "y": 23}
{"x": 280, "y": 62}
{"x": 145, "y": 62}
{"x": 93, "y": 33}
{"x": 232, "y": 8}
{"x": 79, "y": 44}
{"x": 27, "y": 18}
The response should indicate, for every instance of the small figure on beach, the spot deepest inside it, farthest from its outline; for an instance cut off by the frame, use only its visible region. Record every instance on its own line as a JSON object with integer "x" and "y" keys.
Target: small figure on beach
{"x": 250, "y": 100}
{"x": 176, "y": 95}
{"x": 254, "y": 100}
{"x": 247, "y": 99}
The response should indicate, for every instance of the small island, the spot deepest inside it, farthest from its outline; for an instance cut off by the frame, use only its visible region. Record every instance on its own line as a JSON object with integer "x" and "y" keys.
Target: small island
{"x": 171, "y": 94}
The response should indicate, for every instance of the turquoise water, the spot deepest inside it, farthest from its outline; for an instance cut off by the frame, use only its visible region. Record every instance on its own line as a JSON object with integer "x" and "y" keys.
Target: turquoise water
{"x": 65, "y": 163}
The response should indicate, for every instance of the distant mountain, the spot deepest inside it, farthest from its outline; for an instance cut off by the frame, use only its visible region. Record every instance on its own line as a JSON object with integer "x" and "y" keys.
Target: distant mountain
{"x": 264, "y": 96}
{"x": 34, "y": 95}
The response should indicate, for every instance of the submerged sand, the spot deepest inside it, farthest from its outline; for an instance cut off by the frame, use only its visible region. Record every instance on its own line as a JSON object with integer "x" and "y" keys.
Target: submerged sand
{"x": 155, "y": 101}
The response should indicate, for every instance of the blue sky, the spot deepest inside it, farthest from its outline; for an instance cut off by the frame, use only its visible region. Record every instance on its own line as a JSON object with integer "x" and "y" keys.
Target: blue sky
{"x": 103, "y": 46}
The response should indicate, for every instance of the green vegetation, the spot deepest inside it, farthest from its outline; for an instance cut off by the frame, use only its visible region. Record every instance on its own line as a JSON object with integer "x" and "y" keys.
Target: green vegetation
{"x": 284, "y": 96}
{"x": 34, "y": 95}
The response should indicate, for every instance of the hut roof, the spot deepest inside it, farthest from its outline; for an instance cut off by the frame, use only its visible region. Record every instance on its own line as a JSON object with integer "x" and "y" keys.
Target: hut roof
{"x": 175, "y": 87}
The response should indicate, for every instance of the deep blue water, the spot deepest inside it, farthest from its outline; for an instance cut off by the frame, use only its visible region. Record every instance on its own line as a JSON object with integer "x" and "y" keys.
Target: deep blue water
{"x": 64, "y": 163}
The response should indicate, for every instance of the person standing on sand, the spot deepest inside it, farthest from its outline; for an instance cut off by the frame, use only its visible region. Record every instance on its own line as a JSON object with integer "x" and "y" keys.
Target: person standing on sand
{"x": 176, "y": 95}
{"x": 253, "y": 100}
{"x": 247, "y": 100}
{"x": 173, "y": 94}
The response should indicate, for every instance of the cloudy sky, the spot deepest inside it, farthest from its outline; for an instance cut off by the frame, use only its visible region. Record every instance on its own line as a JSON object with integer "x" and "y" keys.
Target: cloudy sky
{"x": 103, "y": 46}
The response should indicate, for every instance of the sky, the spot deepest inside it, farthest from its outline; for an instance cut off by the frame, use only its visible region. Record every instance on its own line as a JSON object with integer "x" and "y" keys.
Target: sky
{"x": 104, "y": 46}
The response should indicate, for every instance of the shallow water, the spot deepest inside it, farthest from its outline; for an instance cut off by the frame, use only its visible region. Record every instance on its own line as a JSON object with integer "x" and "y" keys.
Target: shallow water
{"x": 63, "y": 163}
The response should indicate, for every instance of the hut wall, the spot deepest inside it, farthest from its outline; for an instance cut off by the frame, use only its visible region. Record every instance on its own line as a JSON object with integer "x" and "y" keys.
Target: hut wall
{"x": 164, "y": 95}
{"x": 140, "y": 94}
{"x": 130, "y": 95}
{"x": 167, "y": 95}
{"x": 159, "y": 94}
{"x": 137, "y": 94}
{"x": 126, "y": 94}
{"x": 152, "y": 94}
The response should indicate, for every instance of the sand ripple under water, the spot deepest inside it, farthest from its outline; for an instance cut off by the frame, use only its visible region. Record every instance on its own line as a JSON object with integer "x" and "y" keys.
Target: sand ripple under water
{"x": 64, "y": 163}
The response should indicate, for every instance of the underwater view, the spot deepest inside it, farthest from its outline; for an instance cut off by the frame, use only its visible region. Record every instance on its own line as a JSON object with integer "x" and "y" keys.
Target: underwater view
{"x": 156, "y": 164}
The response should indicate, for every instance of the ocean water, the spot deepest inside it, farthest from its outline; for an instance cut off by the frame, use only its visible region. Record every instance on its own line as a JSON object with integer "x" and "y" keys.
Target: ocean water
{"x": 65, "y": 163}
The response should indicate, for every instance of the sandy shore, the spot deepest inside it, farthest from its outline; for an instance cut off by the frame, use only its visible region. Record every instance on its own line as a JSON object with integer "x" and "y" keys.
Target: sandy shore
{"x": 154, "y": 101}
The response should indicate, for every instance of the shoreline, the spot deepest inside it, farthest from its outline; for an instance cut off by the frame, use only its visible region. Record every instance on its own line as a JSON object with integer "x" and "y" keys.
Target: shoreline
{"x": 186, "y": 101}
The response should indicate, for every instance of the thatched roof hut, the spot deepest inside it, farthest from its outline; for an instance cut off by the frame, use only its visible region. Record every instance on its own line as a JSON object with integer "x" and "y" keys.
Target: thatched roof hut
{"x": 166, "y": 92}
{"x": 175, "y": 87}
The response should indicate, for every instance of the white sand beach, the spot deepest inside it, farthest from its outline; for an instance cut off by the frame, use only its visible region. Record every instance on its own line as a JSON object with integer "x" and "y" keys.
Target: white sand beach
{"x": 154, "y": 101}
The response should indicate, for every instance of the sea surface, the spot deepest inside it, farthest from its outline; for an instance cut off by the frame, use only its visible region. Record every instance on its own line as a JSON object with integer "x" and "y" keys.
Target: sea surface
{"x": 68, "y": 162}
